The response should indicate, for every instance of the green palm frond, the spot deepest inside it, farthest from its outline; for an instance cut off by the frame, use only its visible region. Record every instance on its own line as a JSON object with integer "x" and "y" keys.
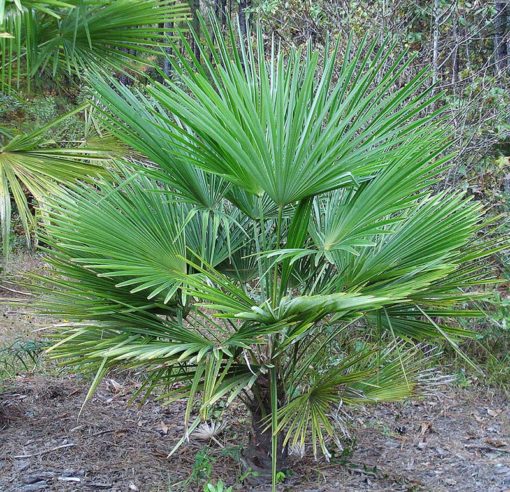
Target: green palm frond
{"x": 72, "y": 37}
{"x": 409, "y": 323}
{"x": 140, "y": 241}
{"x": 349, "y": 219}
{"x": 142, "y": 123}
{"x": 408, "y": 258}
{"x": 273, "y": 125}
{"x": 15, "y": 7}
{"x": 360, "y": 378}
{"x": 146, "y": 235}
{"x": 83, "y": 295}
{"x": 34, "y": 167}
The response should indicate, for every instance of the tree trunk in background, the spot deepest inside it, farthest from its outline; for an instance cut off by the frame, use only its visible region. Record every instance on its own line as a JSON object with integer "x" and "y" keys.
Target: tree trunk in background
{"x": 124, "y": 78}
{"x": 195, "y": 9}
{"x": 220, "y": 9}
{"x": 243, "y": 5}
{"x": 435, "y": 41}
{"x": 167, "y": 67}
{"x": 455, "y": 54}
{"x": 501, "y": 34}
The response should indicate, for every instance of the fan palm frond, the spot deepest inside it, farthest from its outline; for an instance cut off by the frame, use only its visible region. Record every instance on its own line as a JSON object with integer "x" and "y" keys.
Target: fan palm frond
{"x": 32, "y": 166}
{"x": 71, "y": 37}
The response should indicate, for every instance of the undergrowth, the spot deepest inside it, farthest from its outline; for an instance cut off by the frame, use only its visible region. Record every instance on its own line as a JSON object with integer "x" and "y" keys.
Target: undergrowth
{"x": 20, "y": 356}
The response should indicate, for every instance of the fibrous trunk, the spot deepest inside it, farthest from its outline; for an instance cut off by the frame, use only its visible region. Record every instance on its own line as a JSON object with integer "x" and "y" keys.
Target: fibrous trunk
{"x": 257, "y": 456}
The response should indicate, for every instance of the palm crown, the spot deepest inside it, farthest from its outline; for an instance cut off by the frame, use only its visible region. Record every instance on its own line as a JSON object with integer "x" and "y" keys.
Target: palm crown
{"x": 287, "y": 205}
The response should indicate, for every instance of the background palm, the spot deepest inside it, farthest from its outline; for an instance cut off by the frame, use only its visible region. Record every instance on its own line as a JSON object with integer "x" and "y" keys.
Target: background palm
{"x": 33, "y": 167}
{"x": 48, "y": 40}
{"x": 57, "y": 37}
{"x": 288, "y": 206}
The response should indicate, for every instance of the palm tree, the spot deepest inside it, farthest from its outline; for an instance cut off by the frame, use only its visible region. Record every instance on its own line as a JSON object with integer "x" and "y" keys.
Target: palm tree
{"x": 57, "y": 37}
{"x": 285, "y": 248}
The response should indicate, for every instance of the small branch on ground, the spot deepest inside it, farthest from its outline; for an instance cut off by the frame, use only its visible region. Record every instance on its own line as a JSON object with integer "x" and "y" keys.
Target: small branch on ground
{"x": 46, "y": 451}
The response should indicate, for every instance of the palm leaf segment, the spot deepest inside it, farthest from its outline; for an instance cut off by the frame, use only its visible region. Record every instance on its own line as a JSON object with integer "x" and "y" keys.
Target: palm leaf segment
{"x": 286, "y": 207}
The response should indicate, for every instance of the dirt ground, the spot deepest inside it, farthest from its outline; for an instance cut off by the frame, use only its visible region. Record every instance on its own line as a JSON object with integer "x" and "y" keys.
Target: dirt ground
{"x": 457, "y": 441}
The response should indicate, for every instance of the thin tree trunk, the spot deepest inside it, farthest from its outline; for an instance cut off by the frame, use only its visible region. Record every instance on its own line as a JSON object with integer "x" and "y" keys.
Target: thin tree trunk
{"x": 124, "y": 78}
{"x": 220, "y": 9}
{"x": 455, "y": 54}
{"x": 435, "y": 41}
{"x": 167, "y": 66}
{"x": 243, "y": 5}
{"x": 500, "y": 35}
{"x": 195, "y": 10}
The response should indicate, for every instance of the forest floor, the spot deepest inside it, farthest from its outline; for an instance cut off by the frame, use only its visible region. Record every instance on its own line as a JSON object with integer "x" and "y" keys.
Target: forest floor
{"x": 458, "y": 440}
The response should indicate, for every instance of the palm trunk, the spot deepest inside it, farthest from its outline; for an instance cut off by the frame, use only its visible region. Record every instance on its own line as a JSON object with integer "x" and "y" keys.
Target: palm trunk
{"x": 257, "y": 455}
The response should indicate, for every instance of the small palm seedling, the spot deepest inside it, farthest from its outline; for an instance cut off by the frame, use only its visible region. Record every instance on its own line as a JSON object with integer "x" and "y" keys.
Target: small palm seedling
{"x": 21, "y": 355}
{"x": 218, "y": 487}
{"x": 286, "y": 248}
